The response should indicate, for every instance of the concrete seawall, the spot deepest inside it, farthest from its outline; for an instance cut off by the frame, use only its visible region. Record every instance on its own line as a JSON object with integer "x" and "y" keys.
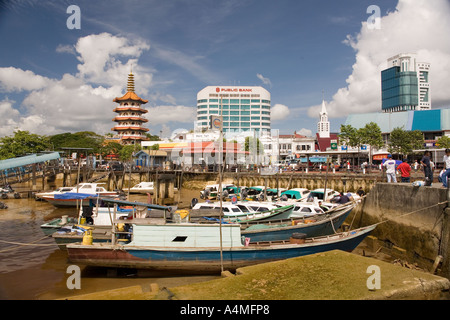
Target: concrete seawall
{"x": 417, "y": 222}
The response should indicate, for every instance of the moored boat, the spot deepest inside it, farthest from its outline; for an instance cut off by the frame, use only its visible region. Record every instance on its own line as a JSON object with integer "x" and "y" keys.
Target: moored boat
{"x": 311, "y": 227}
{"x": 199, "y": 248}
{"x": 68, "y": 198}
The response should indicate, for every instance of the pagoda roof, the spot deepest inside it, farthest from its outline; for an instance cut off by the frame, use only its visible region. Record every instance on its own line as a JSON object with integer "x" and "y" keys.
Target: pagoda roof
{"x": 130, "y": 96}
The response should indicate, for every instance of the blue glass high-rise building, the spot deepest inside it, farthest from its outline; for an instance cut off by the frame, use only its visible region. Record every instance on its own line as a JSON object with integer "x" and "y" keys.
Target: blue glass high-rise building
{"x": 405, "y": 84}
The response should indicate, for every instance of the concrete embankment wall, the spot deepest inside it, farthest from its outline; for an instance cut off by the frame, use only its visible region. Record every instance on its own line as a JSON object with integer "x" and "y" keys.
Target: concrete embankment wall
{"x": 417, "y": 222}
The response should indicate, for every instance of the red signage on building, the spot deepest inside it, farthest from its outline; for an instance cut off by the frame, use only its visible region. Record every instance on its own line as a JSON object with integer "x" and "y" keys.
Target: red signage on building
{"x": 233, "y": 90}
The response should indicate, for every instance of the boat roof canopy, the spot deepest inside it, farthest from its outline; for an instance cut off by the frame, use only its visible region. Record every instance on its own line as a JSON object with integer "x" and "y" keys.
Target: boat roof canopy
{"x": 138, "y": 204}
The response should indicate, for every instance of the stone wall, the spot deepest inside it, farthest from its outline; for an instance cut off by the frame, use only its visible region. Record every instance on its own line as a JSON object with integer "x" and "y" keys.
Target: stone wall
{"x": 416, "y": 220}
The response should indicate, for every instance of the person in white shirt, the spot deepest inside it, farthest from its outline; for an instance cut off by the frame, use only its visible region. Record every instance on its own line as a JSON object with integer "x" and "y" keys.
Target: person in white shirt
{"x": 446, "y": 174}
{"x": 390, "y": 166}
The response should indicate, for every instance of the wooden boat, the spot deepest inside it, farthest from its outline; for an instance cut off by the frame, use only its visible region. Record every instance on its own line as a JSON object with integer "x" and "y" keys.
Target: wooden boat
{"x": 198, "y": 248}
{"x": 312, "y": 227}
{"x": 240, "y": 215}
{"x": 69, "y": 229}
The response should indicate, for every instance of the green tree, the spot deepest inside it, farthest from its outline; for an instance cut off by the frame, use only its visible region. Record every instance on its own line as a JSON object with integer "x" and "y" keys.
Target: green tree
{"x": 110, "y": 148}
{"x": 371, "y": 135}
{"x": 84, "y": 139}
{"x": 152, "y": 137}
{"x": 253, "y": 145}
{"x": 350, "y": 135}
{"x": 443, "y": 142}
{"x": 22, "y": 143}
{"x": 404, "y": 142}
{"x": 126, "y": 153}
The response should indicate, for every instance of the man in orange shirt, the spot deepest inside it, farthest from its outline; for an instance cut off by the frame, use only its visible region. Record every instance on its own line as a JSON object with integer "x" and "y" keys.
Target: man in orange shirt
{"x": 405, "y": 171}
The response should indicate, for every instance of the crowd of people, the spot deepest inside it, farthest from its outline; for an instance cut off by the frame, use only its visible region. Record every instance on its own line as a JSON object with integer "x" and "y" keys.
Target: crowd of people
{"x": 426, "y": 164}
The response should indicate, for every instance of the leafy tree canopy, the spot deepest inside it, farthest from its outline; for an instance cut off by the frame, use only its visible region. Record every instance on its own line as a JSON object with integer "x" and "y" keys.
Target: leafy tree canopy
{"x": 404, "y": 142}
{"x": 22, "y": 143}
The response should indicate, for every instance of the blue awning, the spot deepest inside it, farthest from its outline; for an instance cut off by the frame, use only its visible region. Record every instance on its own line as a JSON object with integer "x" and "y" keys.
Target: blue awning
{"x": 27, "y": 160}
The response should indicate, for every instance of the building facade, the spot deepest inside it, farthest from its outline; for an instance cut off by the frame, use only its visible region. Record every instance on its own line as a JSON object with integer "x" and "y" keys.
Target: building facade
{"x": 243, "y": 108}
{"x": 405, "y": 84}
{"x": 129, "y": 128}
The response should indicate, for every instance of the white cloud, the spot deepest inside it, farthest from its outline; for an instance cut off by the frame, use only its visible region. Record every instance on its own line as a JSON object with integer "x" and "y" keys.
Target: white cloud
{"x": 417, "y": 26}
{"x": 83, "y": 101}
{"x": 305, "y": 132}
{"x": 264, "y": 80}
{"x": 13, "y": 79}
{"x": 279, "y": 112}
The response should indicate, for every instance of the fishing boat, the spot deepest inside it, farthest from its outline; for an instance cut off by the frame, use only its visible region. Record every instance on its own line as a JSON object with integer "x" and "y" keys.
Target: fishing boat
{"x": 188, "y": 247}
{"x": 319, "y": 225}
{"x": 245, "y": 211}
{"x": 90, "y": 208}
{"x": 66, "y": 230}
{"x": 296, "y": 193}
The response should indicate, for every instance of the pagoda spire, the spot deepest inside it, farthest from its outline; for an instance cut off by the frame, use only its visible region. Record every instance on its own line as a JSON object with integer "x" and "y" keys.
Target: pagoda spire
{"x": 130, "y": 85}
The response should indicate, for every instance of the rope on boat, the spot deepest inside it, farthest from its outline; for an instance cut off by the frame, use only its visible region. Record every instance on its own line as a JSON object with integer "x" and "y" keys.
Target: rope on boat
{"x": 405, "y": 214}
{"x": 20, "y": 244}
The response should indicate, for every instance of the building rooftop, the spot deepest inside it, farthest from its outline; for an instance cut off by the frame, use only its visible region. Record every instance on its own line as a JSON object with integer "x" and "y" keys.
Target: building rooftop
{"x": 423, "y": 120}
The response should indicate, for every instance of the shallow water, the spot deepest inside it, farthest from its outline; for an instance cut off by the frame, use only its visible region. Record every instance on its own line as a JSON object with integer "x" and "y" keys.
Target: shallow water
{"x": 39, "y": 272}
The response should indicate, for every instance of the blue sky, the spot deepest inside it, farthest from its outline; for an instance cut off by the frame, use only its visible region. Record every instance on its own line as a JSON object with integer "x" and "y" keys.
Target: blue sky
{"x": 176, "y": 48}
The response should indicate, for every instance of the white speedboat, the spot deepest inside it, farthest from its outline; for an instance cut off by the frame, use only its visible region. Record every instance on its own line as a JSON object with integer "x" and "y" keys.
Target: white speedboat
{"x": 143, "y": 187}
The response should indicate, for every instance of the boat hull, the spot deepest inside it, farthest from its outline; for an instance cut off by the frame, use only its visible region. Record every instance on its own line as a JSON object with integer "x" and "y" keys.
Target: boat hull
{"x": 205, "y": 259}
{"x": 65, "y": 203}
{"x": 314, "y": 229}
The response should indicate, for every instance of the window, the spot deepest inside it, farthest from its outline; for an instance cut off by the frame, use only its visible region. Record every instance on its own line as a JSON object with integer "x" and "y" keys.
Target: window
{"x": 243, "y": 208}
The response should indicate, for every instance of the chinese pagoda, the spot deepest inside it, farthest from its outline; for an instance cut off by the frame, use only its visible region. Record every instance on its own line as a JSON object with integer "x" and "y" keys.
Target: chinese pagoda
{"x": 130, "y": 118}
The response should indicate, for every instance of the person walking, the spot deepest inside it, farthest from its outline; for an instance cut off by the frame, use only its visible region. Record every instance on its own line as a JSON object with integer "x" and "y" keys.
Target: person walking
{"x": 426, "y": 163}
{"x": 446, "y": 174}
{"x": 405, "y": 171}
{"x": 390, "y": 165}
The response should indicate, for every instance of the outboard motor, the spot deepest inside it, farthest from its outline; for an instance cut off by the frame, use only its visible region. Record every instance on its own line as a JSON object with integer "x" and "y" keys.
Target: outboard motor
{"x": 194, "y": 201}
{"x": 244, "y": 194}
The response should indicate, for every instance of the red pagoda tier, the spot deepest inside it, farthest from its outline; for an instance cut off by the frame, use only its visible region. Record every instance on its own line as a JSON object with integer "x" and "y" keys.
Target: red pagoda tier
{"x": 130, "y": 118}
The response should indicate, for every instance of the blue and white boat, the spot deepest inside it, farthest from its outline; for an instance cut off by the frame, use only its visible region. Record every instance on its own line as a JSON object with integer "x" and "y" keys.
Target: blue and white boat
{"x": 204, "y": 248}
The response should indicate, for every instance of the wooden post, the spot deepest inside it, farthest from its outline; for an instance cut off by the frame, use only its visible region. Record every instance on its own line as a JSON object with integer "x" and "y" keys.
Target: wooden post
{"x": 33, "y": 175}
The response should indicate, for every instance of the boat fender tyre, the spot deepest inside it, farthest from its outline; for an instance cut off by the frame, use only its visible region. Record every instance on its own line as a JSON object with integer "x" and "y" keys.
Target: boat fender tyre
{"x": 297, "y": 238}
{"x": 16, "y": 195}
